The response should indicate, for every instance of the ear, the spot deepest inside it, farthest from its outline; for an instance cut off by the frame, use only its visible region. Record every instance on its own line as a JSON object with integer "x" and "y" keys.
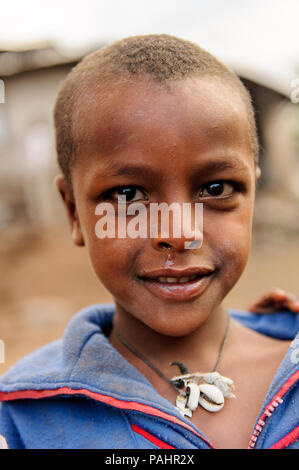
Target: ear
{"x": 69, "y": 202}
{"x": 258, "y": 172}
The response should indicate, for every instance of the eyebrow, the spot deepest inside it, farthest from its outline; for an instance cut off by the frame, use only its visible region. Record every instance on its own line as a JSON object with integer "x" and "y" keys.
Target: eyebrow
{"x": 114, "y": 170}
{"x": 145, "y": 171}
{"x": 220, "y": 165}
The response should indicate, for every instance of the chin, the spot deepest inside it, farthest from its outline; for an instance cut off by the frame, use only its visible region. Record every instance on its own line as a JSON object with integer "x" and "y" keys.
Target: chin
{"x": 176, "y": 329}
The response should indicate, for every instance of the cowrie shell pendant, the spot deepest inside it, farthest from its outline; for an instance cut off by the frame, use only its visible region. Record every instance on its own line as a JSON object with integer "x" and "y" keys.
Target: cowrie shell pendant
{"x": 192, "y": 394}
{"x": 207, "y": 395}
{"x": 210, "y": 397}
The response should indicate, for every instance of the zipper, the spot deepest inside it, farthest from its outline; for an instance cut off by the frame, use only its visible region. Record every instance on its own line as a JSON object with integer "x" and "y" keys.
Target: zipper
{"x": 261, "y": 421}
{"x": 274, "y": 403}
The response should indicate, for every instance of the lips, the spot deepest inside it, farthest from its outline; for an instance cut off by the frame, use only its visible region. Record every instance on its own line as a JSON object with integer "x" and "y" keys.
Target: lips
{"x": 176, "y": 284}
{"x": 172, "y": 280}
{"x": 178, "y": 273}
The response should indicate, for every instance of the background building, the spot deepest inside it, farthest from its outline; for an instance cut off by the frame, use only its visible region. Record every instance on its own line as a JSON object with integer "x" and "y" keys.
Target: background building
{"x": 44, "y": 278}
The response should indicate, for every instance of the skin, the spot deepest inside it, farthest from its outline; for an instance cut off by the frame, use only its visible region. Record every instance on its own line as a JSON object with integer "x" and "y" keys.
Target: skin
{"x": 172, "y": 135}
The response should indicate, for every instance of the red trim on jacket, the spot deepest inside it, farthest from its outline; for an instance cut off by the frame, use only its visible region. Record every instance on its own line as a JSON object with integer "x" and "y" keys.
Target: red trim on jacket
{"x": 287, "y": 440}
{"x": 151, "y": 438}
{"x": 127, "y": 405}
{"x": 275, "y": 401}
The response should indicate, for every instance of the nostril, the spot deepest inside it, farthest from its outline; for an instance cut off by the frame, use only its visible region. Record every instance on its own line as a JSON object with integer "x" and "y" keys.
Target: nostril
{"x": 164, "y": 245}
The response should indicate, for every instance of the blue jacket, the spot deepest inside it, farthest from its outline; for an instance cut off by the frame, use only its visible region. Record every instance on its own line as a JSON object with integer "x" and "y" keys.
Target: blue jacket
{"x": 79, "y": 392}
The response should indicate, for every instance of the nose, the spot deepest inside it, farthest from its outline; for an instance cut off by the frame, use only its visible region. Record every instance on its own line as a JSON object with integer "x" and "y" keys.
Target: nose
{"x": 178, "y": 244}
{"x": 179, "y": 229}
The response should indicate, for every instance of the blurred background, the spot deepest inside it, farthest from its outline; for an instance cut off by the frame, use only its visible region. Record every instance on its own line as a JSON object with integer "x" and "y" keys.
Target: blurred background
{"x": 44, "y": 278}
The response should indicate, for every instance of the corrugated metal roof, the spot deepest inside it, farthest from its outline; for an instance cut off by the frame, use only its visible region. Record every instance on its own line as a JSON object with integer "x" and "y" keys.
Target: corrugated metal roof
{"x": 23, "y": 59}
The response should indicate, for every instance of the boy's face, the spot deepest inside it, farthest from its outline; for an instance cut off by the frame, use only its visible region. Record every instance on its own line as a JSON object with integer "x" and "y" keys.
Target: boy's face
{"x": 187, "y": 145}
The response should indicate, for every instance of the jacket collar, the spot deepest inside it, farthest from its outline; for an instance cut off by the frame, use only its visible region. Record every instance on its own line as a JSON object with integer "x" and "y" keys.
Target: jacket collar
{"x": 85, "y": 360}
{"x": 89, "y": 357}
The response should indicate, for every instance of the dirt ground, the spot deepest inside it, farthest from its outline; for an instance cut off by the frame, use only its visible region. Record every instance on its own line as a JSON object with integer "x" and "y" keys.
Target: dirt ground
{"x": 45, "y": 280}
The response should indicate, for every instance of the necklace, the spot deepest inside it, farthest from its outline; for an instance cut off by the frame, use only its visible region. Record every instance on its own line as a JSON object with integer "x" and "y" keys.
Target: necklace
{"x": 207, "y": 389}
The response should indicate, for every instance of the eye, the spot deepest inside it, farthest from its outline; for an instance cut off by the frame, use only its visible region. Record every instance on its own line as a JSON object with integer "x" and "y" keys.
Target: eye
{"x": 219, "y": 189}
{"x": 132, "y": 193}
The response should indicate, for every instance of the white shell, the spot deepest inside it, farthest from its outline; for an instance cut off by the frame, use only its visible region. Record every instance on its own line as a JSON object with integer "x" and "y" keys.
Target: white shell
{"x": 181, "y": 406}
{"x": 225, "y": 384}
{"x": 215, "y": 401}
{"x": 225, "y": 387}
{"x": 211, "y": 377}
{"x": 192, "y": 392}
{"x": 181, "y": 402}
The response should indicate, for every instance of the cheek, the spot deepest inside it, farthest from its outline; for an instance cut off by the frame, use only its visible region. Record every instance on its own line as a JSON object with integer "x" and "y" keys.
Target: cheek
{"x": 234, "y": 246}
{"x": 113, "y": 261}
{"x": 230, "y": 243}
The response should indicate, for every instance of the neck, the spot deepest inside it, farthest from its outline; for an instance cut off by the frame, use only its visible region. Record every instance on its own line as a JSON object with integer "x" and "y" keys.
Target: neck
{"x": 198, "y": 350}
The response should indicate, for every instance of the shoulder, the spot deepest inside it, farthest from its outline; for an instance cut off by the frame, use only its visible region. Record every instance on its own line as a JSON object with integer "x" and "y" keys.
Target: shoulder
{"x": 280, "y": 325}
{"x": 42, "y": 365}
{"x": 60, "y": 369}
{"x": 52, "y": 365}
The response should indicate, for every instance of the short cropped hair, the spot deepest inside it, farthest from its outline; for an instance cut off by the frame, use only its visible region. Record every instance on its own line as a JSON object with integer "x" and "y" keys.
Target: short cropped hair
{"x": 162, "y": 57}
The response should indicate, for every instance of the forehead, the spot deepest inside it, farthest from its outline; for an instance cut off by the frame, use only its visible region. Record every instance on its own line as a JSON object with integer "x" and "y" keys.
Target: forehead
{"x": 199, "y": 116}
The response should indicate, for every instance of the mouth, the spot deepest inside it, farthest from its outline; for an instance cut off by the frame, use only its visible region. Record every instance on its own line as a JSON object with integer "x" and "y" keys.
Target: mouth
{"x": 173, "y": 280}
{"x": 179, "y": 287}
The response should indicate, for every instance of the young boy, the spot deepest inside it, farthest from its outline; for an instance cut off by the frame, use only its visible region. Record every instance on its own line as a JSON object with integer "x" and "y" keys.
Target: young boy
{"x": 157, "y": 119}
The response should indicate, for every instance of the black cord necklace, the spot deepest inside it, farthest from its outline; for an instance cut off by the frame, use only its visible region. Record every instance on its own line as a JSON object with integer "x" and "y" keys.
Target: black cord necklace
{"x": 207, "y": 389}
